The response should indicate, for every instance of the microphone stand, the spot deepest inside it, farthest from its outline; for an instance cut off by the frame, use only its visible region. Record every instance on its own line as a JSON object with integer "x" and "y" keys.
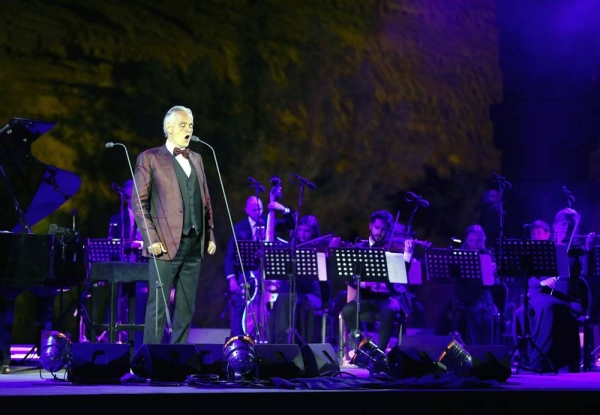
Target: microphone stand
{"x": 237, "y": 248}
{"x": 503, "y": 184}
{"x": 293, "y": 274}
{"x": 159, "y": 284}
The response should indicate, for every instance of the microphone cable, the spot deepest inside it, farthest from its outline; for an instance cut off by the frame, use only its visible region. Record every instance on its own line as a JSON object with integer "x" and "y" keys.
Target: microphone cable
{"x": 160, "y": 284}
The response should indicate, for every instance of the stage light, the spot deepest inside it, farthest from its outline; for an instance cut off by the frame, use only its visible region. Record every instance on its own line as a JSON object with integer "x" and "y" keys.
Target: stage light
{"x": 368, "y": 356}
{"x": 240, "y": 356}
{"x": 456, "y": 359}
{"x": 56, "y": 352}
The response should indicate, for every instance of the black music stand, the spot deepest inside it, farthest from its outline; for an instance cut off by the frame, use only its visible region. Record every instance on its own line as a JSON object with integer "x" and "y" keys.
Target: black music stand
{"x": 454, "y": 266}
{"x": 359, "y": 264}
{"x": 251, "y": 256}
{"x": 279, "y": 266}
{"x": 527, "y": 258}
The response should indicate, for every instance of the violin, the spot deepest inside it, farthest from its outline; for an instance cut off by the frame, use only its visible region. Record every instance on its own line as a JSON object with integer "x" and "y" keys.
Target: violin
{"x": 398, "y": 242}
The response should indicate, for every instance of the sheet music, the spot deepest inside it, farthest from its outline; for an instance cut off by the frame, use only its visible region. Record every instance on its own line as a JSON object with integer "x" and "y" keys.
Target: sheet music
{"x": 487, "y": 269}
{"x": 396, "y": 267}
{"x": 321, "y": 266}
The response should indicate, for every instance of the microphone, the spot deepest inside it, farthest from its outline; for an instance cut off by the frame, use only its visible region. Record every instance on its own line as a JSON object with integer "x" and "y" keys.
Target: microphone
{"x": 254, "y": 183}
{"x": 301, "y": 180}
{"x": 109, "y": 145}
{"x": 54, "y": 229}
{"x": 411, "y": 197}
{"x": 249, "y": 309}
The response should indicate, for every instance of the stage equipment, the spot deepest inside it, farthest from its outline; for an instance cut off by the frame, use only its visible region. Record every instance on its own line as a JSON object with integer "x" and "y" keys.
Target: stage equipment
{"x": 456, "y": 359}
{"x": 368, "y": 356}
{"x": 240, "y": 356}
{"x": 56, "y": 352}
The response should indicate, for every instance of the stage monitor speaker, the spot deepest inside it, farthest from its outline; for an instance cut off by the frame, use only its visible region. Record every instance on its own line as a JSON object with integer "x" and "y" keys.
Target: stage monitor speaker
{"x": 410, "y": 362}
{"x": 98, "y": 363}
{"x": 279, "y": 360}
{"x": 319, "y": 359}
{"x": 166, "y": 362}
{"x": 212, "y": 359}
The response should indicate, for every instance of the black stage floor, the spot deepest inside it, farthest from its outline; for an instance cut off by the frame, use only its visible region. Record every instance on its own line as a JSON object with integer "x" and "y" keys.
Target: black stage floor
{"x": 351, "y": 389}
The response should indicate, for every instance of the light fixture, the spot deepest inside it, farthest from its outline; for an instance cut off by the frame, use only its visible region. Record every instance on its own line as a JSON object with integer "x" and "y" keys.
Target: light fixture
{"x": 368, "y": 356}
{"x": 240, "y": 356}
{"x": 56, "y": 352}
{"x": 456, "y": 359}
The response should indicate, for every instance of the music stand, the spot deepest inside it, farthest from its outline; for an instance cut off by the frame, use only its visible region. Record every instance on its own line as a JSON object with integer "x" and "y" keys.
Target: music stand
{"x": 279, "y": 266}
{"x": 359, "y": 264}
{"x": 455, "y": 266}
{"x": 530, "y": 258}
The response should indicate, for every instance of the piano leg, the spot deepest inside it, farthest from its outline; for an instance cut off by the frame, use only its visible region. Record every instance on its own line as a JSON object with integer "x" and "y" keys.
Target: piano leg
{"x": 7, "y": 312}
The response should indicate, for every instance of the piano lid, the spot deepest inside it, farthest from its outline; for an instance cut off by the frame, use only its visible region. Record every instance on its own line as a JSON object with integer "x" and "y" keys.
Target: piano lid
{"x": 26, "y": 184}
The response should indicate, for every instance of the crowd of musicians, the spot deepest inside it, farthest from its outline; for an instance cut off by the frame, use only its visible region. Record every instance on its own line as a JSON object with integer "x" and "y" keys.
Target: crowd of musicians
{"x": 174, "y": 216}
{"x": 168, "y": 208}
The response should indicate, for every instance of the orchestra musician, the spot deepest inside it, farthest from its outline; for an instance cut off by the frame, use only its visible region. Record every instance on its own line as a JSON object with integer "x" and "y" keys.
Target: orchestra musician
{"x": 252, "y": 227}
{"x": 471, "y": 311}
{"x": 385, "y": 299}
{"x": 554, "y": 309}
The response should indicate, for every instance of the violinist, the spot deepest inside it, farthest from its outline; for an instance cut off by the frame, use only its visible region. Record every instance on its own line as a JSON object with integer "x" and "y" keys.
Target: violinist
{"x": 554, "y": 310}
{"x": 385, "y": 299}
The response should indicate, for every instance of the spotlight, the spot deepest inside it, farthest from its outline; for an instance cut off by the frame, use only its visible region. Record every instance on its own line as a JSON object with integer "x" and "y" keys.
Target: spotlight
{"x": 240, "y": 356}
{"x": 56, "y": 352}
{"x": 456, "y": 359}
{"x": 368, "y": 356}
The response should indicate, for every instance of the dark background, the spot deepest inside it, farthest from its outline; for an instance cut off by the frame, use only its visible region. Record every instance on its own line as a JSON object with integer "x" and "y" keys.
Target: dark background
{"x": 367, "y": 99}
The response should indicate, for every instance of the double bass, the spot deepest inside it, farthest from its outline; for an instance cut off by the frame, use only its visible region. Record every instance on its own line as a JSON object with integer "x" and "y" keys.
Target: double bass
{"x": 264, "y": 293}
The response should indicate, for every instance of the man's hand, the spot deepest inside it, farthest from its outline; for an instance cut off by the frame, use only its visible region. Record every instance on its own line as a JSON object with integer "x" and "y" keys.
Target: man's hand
{"x": 157, "y": 249}
{"x": 549, "y": 282}
{"x": 212, "y": 248}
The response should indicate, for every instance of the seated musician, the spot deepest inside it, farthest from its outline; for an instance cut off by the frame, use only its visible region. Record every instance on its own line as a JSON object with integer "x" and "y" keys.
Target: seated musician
{"x": 308, "y": 298}
{"x": 554, "y": 310}
{"x": 252, "y": 227}
{"x": 386, "y": 299}
{"x": 470, "y": 312}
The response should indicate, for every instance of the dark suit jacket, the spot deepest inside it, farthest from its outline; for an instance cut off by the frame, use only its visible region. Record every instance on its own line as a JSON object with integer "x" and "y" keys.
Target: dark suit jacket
{"x": 161, "y": 202}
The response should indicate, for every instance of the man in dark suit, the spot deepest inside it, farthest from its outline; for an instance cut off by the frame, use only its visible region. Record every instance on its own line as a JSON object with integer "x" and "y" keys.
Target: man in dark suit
{"x": 174, "y": 215}
{"x": 248, "y": 229}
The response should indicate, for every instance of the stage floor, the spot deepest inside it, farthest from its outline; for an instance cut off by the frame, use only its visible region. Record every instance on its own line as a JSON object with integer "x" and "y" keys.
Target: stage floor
{"x": 31, "y": 387}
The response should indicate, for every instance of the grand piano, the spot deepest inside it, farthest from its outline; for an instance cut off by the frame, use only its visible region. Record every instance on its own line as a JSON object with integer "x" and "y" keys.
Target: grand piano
{"x": 29, "y": 191}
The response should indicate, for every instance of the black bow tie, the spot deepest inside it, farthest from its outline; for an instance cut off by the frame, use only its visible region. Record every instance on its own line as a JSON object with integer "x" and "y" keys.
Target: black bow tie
{"x": 177, "y": 151}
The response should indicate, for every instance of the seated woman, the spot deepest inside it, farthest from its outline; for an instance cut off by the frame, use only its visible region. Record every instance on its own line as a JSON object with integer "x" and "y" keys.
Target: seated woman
{"x": 554, "y": 310}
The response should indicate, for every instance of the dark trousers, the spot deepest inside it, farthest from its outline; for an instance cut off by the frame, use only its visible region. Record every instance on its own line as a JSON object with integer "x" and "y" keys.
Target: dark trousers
{"x": 182, "y": 272}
